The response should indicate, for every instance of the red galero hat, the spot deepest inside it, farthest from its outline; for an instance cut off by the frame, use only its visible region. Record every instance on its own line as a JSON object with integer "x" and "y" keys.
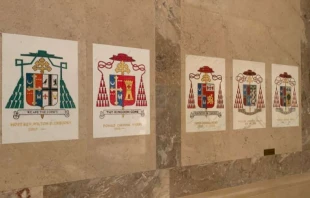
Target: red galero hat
{"x": 205, "y": 69}
{"x": 122, "y": 57}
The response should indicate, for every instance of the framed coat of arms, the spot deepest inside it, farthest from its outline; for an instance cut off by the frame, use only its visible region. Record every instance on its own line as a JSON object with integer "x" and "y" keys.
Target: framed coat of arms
{"x": 40, "y": 89}
{"x": 121, "y": 91}
{"x": 285, "y": 89}
{"x": 205, "y": 94}
{"x": 249, "y": 95}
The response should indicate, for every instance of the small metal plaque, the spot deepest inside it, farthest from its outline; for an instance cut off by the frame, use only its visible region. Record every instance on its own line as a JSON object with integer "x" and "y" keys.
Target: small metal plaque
{"x": 269, "y": 152}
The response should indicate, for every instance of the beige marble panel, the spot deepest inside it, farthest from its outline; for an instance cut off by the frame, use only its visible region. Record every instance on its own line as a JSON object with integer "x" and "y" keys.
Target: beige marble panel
{"x": 120, "y": 23}
{"x": 252, "y": 40}
{"x": 202, "y": 34}
{"x": 243, "y": 30}
{"x": 35, "y": 164}
{"x": 269, "y": 13}
{"x": 94, "y": 21}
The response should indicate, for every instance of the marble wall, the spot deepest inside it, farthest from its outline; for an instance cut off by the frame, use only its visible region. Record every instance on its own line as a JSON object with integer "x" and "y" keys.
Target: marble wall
{"x": 168, "y": 162}
{"x": 241, "y": 30}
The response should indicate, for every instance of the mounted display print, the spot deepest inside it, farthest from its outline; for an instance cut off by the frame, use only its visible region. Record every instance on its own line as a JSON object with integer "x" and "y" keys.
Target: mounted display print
{"x": 205, "y": 94}
{"x": 249, "y": 109}
{"x": 121, "y": 91}
{"x": 39, "y": 89}
{"x": 285, "y": 89}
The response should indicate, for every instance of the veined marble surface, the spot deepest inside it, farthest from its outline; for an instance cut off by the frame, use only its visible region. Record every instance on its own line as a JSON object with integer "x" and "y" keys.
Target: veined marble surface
{"x": 168, "y": 162}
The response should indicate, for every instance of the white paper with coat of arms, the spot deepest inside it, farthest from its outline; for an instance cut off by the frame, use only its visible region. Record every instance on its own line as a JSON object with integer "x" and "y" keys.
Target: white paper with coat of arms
{"x": 39, "y": 89}
{"x": 121, "y": 91}
{"x": 205, "y": 94}
{"x": 285, "y": 90}
{"x": 249, "y": 107}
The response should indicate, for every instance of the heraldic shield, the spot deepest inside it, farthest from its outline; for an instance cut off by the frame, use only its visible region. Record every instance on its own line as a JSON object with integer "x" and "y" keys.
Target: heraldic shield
{"x": 206, "y": 95}
{"x": 285, "y": 96}
{"x": 41, "y": 89}
{"x": 205, "y": 92}
{"x": 287, "y": 84}
{"x": 122, "y": 90}
{"x": 249, "y": 95}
